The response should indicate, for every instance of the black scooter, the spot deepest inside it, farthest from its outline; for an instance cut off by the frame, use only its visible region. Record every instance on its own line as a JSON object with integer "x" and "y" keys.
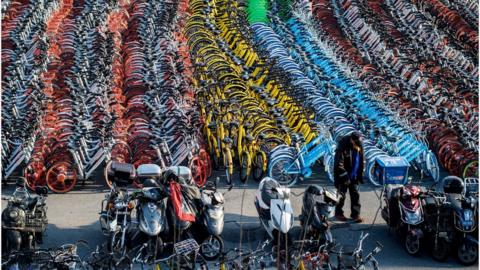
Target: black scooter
{"x": 24, "y": 220}
{"x": 318, "y": 205}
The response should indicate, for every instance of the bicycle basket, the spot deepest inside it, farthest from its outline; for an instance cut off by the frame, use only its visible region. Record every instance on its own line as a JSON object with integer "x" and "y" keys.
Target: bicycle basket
{"x": 186, "y": 247}
{"x": 391, "y": 170}
{"x": 36, "y": 221}
{"x": 471, "y": 185}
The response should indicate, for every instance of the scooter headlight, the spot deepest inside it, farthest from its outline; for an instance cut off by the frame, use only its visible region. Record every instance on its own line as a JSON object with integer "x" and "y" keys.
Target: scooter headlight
{"x": 414, "y": 217}
{"x": 14, "y": 215}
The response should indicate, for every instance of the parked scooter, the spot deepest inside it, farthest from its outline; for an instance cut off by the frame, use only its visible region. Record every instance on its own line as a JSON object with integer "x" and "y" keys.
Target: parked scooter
{"x": 463, "y": 203}
{"x": 318, "y": 206}
{"x": 437, "y": 224}
{"x": 150, "y": 210}
{"x": 275, "y": 210}
{"x": 209, "y": 227}
{"x": 183, "y": 202}
{"x": 403, "y": 212}
{"x": 116, "y": 208}
{"x": 24, "y": 220}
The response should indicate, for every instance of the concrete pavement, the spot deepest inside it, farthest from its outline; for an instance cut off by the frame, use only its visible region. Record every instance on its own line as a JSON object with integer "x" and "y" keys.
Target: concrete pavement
{"x": 74, "y": 216}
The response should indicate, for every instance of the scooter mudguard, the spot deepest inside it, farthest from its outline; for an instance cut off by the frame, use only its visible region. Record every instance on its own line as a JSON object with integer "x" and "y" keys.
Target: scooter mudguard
{"x": 281, "y": 214}
{"x": 471, "y": 239}
{"x": 151, "y": 219}
{"x": 214, "y": 220}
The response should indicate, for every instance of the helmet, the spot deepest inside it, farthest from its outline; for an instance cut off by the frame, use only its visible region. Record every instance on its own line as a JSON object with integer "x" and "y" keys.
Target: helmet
{"x": 453, "y": 184}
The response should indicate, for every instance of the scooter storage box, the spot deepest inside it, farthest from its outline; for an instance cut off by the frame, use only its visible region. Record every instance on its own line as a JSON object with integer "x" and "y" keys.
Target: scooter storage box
{"x": 182, "y": 172}
{"x": 121, "y": 173}
{"x": 149, "y": 171}
{"x": 391, "y": 170}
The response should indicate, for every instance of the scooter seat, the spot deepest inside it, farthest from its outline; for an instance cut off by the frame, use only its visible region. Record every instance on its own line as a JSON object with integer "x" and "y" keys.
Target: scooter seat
{"x": 454, "y": 200}
{"x": 393, "y": 191}
{"x": 31, "y": 202}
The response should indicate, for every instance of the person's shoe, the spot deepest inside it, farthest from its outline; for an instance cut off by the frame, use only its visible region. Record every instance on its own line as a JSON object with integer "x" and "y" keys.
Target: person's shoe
{"x": 357, "y": 219}
{"x": 340, "y": 218}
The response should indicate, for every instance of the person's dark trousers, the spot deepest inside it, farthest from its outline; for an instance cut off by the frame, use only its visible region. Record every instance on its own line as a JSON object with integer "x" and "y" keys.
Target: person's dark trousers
{"x": 354, "y": 199}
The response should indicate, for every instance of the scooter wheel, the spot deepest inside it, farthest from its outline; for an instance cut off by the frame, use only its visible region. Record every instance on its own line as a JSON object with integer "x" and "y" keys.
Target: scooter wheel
{"x": 440, "y": 252}
{"x": 212, "y": 247}
{"x": 412, "y": 244}
{"x": 467, "y": 253}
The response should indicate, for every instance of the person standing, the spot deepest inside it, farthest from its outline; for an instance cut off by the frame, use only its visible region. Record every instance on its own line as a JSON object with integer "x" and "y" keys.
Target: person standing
{"x": 348, "y": 174}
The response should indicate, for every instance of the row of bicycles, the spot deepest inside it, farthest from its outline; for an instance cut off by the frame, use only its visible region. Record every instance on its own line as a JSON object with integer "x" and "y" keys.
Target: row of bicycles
{"x": 242, "y": 96}
{"x": 407, "y": 68}
{"x": 237, "y": 88}
{"x": 157, "y": 120}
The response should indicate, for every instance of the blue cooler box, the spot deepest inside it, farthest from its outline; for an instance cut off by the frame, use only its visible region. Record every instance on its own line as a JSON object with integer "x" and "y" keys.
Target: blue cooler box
{"x": 391, "y": 170}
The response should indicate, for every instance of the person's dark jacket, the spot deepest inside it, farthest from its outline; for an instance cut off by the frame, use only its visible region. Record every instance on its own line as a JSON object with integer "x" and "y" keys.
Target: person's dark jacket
{"x": 344, "y": 161}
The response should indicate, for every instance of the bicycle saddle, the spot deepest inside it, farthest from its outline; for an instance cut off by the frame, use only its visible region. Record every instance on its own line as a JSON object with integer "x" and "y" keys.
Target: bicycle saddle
{"x": 212, "y": 125}
{"x": 233, "y": 123}
{"x": 249, "y": 138}
{"x": 248, "y": 125}
{"x": 227, "y": 140}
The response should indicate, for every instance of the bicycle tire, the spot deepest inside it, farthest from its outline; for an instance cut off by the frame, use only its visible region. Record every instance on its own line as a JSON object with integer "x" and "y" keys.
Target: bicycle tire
{"x": 199, "y": 174}
{"x": 105, "y": 173}
{"x": 276, "y": 167}
{"x": 371, "y": 173}
{"x": 227, "y": 160}
{"x": 467, "y": 169}
{"x": 207, "y": 161}
{"x": 259, "y": 165}
{"x": 56, "y": 177}
{"x": 329, "y": 164}
{"x": 245, "y": 164}
{"x": 432, "y": 166}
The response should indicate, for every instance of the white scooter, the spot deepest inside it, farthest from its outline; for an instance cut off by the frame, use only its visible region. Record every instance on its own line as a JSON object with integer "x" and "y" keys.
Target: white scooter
{"x": 274, "y": 209}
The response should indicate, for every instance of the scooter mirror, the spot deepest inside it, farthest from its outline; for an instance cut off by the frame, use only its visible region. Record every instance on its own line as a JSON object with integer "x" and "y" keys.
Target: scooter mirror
{"x": 217, "y": 180}
{"x": 43, "y": 191}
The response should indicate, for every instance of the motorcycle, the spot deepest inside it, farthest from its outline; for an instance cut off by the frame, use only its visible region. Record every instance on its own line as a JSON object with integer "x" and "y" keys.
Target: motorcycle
{"x": 436, "y": 226}
{"x": 116, "y": 208}
{"x": 463, "y": 205}
{"x": 183, "y": 203}
{"x": 275, "y": 210}
{"x": 150, "y": 211}
{"x": 403, "y": 211}
{"x": 318, "y": 206}
{"x": 211, "y": 221}
{"x": 24, "y": 220}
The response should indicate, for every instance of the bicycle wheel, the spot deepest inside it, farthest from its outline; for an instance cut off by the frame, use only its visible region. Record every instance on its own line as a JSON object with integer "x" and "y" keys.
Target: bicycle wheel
{"x": 34, "y": 174}
{"x": 259, "y": 165}
{"x": 371, "y": 173}
{"x": 245, "y": 165}
{"x": 277, "y": 167}
{"x": 199, "y": 174}
{"x": 61, "y": 177}
{"x": 227, "y": 160}
{"x": 471, "y": 169}
{"x": 206, "y": 161}
{"x": 105, "y": 173}
{"x": 432, "y": 166}
{"x": 329, "y": 163}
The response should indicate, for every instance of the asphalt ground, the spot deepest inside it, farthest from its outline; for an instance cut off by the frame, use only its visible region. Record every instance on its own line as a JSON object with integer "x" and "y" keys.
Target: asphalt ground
{"x": 74, "y": 216}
